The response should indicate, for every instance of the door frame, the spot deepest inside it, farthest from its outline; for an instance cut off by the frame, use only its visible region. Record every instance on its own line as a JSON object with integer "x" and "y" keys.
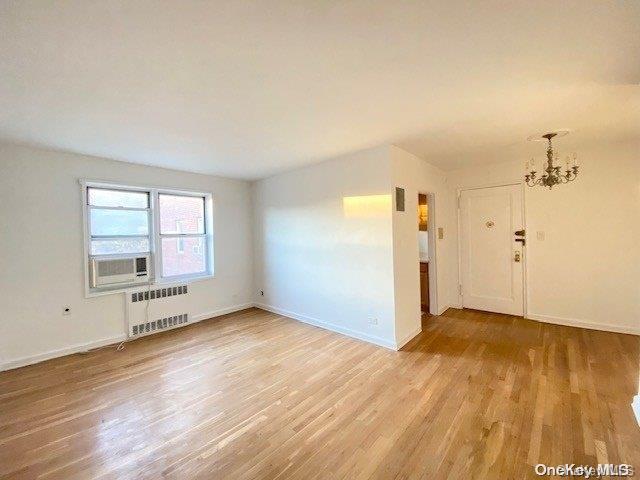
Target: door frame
{"x": 433, "y": 267}
{"x": 525, "y": 270}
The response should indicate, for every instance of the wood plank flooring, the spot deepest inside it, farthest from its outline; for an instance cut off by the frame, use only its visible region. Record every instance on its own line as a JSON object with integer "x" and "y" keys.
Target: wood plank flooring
{"x": 257, "y": 395}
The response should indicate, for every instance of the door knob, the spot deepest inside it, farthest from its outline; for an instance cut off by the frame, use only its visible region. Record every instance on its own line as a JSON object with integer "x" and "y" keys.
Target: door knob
{"x": 519, "y": 233}
{"x": 516, "y": 257}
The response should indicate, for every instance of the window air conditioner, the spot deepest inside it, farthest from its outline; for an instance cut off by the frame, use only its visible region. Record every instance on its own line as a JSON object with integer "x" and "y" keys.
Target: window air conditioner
{"x": 107, "y": 271}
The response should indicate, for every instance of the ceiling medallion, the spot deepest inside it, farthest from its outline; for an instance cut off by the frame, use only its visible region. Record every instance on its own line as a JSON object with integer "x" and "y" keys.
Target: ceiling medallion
{"x": 553, "y": 175}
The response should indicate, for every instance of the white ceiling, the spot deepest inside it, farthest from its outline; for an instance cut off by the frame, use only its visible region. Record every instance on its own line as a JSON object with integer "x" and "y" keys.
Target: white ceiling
{"x": 247, "y": 89}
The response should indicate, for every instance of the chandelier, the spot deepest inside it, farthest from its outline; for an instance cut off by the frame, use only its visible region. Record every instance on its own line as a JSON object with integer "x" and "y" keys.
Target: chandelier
{"x": 552, "y": 174}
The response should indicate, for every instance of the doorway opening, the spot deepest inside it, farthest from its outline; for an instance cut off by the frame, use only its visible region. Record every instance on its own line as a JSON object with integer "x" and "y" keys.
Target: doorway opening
{"x": 426, "y": 250}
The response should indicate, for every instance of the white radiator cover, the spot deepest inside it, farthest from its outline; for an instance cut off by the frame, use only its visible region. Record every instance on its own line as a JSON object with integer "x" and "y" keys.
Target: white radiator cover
{"x": 156, "y": 309}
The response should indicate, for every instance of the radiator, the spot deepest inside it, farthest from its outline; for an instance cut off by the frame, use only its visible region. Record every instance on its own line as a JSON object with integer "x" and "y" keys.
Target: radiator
{"x": 157, "y": 309}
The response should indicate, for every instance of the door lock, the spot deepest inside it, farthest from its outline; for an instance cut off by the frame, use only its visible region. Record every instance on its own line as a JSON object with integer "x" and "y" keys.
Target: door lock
{"x": 516, "y": 257}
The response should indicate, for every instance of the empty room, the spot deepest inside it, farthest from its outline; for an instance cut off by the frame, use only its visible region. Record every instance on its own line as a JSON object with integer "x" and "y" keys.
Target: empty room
{"x": 319, "y": 240}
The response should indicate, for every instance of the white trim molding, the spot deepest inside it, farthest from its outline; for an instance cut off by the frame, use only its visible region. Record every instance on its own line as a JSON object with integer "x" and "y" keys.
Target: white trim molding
{"x": 61, "y": 352}
{"x": 84, "y": 347}
{"x": 572, "y": 322}
{"x": 382, "y": 342}
{"x": 221, "y": 311}
{"x": 402, "y": 342}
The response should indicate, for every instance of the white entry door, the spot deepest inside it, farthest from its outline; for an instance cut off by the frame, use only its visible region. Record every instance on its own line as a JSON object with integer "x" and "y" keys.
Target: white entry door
{"x": 491, "y": 258}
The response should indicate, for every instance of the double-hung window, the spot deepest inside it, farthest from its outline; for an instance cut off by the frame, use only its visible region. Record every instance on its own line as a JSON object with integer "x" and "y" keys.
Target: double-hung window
{"x": 119, "y": 221}
{"x": 183, "y": 235}
{"x": 173, "y": 228}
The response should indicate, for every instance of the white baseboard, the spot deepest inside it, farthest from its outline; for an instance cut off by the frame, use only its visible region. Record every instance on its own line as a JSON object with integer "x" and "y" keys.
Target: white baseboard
{"x": 221, "y": 311}
{"x": 61, "y": 352}
{"x": 30, "y": 360}
{"x": 401, "y": 343}
{"x": 330, "y": 326}
{"x": 443, "y": 309}
{"x": 572, "y": 322}
{"x": 635, "y": 405}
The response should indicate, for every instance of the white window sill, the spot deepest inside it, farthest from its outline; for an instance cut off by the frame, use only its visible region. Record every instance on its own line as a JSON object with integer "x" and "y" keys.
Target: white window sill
{"x": 163, "y": 282}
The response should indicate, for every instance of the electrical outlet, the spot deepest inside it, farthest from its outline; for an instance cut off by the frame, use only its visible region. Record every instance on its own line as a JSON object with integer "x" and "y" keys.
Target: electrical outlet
{"x": 373, "y": 321}
{"x": 66, "y": 310}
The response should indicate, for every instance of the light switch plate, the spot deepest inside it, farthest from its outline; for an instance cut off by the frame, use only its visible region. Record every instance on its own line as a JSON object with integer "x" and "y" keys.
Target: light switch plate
{"x": 540, "y": 236}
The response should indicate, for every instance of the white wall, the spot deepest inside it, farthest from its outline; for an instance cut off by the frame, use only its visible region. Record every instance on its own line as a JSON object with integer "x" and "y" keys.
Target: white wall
{"x": 587, "y": 270}
{"x": 329, "y": 249}
{"x": 41, "y": 261}
{"x": 415, "y": 175}
{"x": 324, "y": 249}
{"x": 320, "y": 263}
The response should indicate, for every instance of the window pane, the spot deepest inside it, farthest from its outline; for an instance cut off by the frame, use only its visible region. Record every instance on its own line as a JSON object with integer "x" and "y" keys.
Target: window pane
{"x": 180, "y": 214}
{"x": 124, "y": 245}
{"x": 183, "y": 256}
{"x": 119, "y": 222}
{"x": 100, "y": 197}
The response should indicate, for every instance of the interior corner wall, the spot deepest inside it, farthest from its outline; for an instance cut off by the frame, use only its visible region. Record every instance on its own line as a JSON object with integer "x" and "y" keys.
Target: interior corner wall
{"x": 324, "y": 247}
{"x": 416, "y": 175}
{"x": 41, "y": 264}
{"x": 586, "y": 270}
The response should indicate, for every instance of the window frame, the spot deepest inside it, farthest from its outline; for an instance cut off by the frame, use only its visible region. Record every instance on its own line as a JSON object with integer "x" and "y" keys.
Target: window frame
{"x": 91, "y": 208}
{"x": 205, "y": 236}
{"x": 155, "y": 239}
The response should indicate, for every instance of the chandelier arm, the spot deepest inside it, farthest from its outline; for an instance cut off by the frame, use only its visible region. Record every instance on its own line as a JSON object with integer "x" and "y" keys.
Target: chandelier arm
{"x": 531, "y": 182}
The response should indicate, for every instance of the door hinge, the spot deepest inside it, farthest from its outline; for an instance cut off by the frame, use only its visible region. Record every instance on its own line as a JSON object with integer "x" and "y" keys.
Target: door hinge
{"x": 460, "y": 289}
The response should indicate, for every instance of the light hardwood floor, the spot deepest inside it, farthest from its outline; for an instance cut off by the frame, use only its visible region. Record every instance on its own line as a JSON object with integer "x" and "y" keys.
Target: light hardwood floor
{"x": 257, "y": 395}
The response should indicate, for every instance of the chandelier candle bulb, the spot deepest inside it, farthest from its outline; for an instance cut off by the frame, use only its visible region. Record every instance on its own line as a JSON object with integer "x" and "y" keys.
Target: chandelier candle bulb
{"x": 551, "y": 174}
